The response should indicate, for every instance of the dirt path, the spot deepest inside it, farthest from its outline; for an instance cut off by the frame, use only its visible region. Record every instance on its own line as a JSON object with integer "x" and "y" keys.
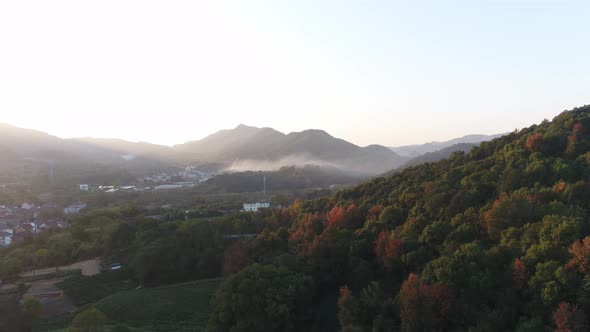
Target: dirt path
{"x": 89, "y": 268}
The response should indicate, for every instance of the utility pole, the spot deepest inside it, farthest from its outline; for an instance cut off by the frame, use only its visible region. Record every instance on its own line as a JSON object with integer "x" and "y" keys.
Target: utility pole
{"x": 264, "y": 188}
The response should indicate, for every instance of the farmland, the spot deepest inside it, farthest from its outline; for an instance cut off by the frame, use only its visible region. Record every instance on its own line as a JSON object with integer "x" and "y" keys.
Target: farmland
{"x": 179, "y": 307}
{"x": 84, "y": 290}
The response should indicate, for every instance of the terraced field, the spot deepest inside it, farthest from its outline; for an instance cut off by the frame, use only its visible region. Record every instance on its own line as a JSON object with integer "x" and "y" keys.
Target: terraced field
{"x": 84, "y": 290}
{"x": 179, "y": 307}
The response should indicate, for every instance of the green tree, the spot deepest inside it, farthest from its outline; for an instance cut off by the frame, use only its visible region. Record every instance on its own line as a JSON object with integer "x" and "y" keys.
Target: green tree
{"x": 90, "y": 320}
{"x": 263, "y": 298}
{"x": 32, "y": 306}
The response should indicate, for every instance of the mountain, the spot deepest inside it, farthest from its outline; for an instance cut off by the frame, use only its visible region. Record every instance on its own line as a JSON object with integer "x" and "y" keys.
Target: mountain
{"x": 252, "y": 148}
{"x": 128, "y": 150}
{"x": 41, "y": 160}
{"x": 412, "y": 151}
{"x": 431, "y": 157}
{"x": 38, "y": 146}
{"x": 230, "y": 144}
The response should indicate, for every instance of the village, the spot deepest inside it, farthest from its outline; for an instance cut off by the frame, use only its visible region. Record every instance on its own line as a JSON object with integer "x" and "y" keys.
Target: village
{"x": 19, "y": 223}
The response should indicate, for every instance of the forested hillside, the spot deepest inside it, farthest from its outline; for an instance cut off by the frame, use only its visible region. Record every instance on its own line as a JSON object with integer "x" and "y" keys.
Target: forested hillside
{"x": 497, "y": 239}
{"x": 493, "y": 240}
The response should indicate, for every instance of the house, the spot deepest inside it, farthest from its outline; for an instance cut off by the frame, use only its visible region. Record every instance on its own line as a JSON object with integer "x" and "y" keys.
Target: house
{"x": 58, "y": 224}
{"x": 48, "y": 207}
{"x": 168, "y": 187}
{"x": 128, "y": 188}
{"x": 104, "y": 188}
{"x": 74, "y": 208}
{"x": 27, "y": 206}
{"x": 5, "y": 239}
{"x": 253, "y": 207}
{"x": 21, "y": 233}
{"x": 84, "y": 187}
{"x": 31, "y": 227}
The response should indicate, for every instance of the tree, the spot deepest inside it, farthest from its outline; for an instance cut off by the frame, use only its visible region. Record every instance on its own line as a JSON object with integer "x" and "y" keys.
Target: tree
{"x": 374, "y": 213}
{"x": 519, "y": 273}
{"x": 263, "y": 298}
{"x": 424, "y": 307}
{"x": 235, "y": 258}
{"x": 534, "y": 143}
{"x": 580, "y": 252}
{"x": 388, "y": 249}
{"x": 507, "y": 212}
{"x": 90, "y": 320}
{"x": 345, "y": 308}
{"x": 32, "y": 306}
{"x": 340, "y": 217}
{"x": 569, "y": 318}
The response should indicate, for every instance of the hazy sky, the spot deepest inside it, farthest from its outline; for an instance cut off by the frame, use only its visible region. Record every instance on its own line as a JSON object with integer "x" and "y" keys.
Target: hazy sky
{"x": 388, "y": 72}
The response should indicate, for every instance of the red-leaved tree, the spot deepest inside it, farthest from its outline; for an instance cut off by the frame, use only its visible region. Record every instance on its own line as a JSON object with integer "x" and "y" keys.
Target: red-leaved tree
{"x": 580, "y": 252}
{"x": 341, "y": 217}
{"x": 387, "y": 249}
{"x": 534, "y": 143}
{"x": 235, "y": 258}
{"x": 424, "y": 307}
{"x": 569, "y": 318}
{"x": 519, "y": 273}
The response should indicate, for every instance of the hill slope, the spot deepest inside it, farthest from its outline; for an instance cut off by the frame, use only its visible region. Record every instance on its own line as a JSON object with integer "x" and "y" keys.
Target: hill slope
{"x": 441, "y": 154}
{"x": 251, "y": 148}
{"x": 413, "y": 151}
{"x": 483, "y": 241}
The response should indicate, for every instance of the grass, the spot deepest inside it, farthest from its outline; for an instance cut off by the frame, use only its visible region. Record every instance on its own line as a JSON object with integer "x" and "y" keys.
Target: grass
{"x": 83, "y": 290}
{"x": 179, "y": 307}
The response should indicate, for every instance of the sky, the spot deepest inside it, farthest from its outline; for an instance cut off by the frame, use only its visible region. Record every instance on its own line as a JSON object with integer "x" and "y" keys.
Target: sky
{"x": 371, "y": 72}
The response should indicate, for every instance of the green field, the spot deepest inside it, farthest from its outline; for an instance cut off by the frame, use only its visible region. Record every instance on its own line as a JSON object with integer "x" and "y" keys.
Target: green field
{"x": 84, "y": 290}
{"x": 179, "y": 307}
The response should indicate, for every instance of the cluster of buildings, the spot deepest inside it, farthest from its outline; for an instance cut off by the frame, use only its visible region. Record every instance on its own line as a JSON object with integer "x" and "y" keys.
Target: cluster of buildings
{"x": 190, "y": 174}
{"x": 115, "y": 189}
{"x": 18, "y": 223}
{"x": 188, "y": 177}
{"x": 254, "y": 207}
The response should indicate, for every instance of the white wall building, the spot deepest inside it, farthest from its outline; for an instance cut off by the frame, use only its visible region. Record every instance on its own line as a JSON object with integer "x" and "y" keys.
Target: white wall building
{"x": 84, "y": 187}
{"x": 253, "y": 207}
{"x": 5, "y": 239}
{"x": 74, "y": 208}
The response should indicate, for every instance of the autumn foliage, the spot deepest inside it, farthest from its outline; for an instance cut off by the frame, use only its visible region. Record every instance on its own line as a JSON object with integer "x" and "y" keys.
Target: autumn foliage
{"x": 374, "y": 212}
{"x": 559, "y": 187}
{"x": 341, "y": 217}
{"x": 534, "y": 143}
{"x": 306, "y": 233}
{"x": 580, "y": 252}
{"x": 235, "y": 258}
{"x": 387, "y": 249}
{"x": 519, "y": 273}
{"x": 345, "y": 307}
{"x": 424, "y": 307}
{"x": 569, "y": 318}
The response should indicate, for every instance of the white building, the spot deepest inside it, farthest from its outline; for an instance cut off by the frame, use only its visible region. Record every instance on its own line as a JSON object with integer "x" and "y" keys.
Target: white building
{"x": 5, "y": 239}
{"x": 84, "y": 187}
{"x": 27, "y": 206}
{"x": 168, "y": 186}
{"x": 74, "y": 208}
{"x": 253, "y": 207}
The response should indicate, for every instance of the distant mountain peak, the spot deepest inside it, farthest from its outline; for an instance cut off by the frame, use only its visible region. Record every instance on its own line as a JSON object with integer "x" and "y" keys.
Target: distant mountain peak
{"x": 417, "y": 150}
